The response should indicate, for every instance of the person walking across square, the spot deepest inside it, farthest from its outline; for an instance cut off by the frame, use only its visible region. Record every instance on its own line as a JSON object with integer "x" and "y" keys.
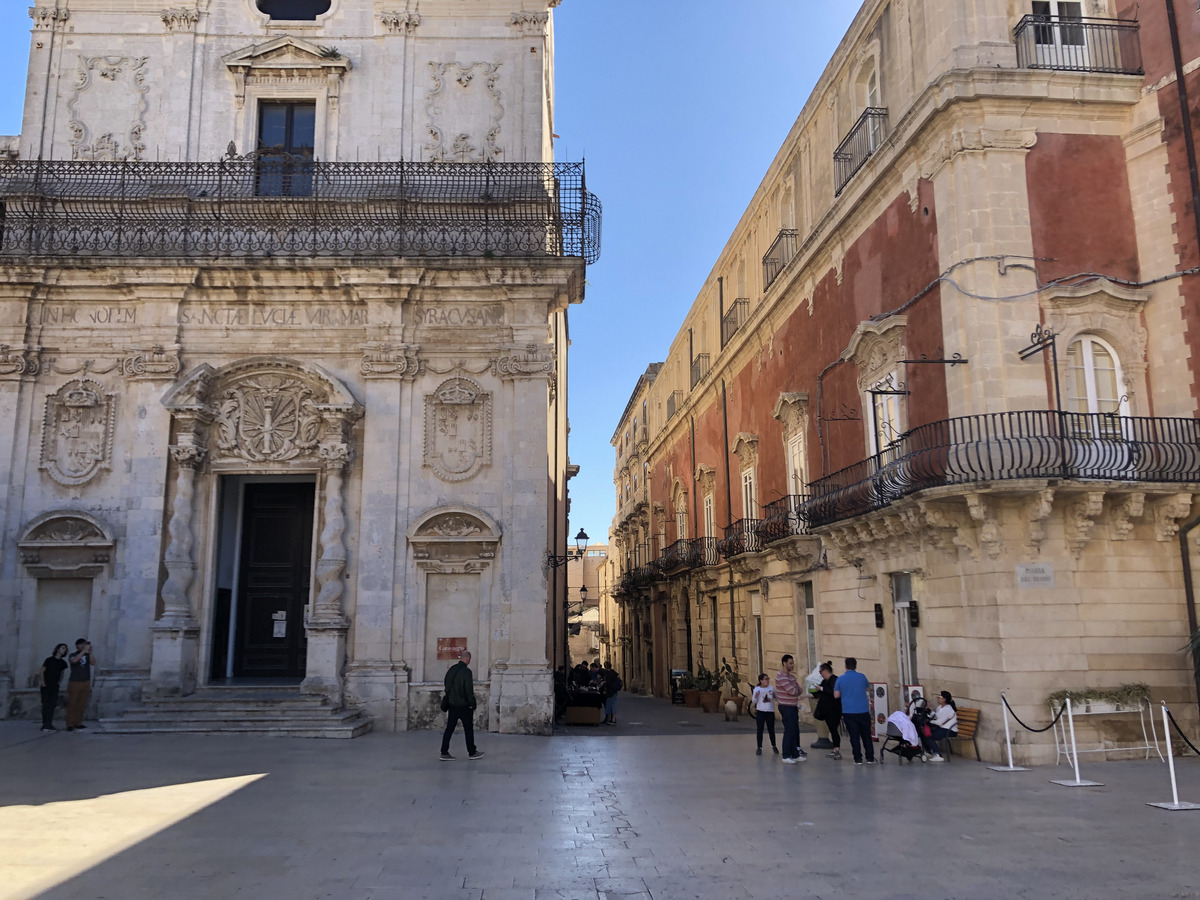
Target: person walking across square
{"x": 787, "y": 695}
{"x": 460, "y": 700}
{"x": 852, "y": 688}
{"x": 79, "y": 685}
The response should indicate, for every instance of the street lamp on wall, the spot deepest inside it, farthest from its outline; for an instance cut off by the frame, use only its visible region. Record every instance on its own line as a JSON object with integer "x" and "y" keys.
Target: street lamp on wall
{"x": 581, "y": 542}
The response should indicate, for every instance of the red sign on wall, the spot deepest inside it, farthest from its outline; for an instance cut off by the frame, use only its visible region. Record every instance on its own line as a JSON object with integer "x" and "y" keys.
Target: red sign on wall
{"x": 451, "y": 648}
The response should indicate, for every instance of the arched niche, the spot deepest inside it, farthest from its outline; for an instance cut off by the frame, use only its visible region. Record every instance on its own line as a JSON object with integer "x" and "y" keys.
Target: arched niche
{"x": 66, "y": 544}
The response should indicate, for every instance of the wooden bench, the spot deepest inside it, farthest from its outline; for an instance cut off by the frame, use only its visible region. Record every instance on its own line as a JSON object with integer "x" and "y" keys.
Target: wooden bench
{"x": 968, "y": 722}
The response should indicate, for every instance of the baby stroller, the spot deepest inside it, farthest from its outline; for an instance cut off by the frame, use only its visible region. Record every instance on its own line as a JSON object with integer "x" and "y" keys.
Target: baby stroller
{"x": 902, "y": 738}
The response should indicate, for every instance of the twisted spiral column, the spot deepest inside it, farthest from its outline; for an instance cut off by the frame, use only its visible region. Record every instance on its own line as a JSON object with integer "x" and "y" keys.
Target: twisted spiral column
{"x": 332, "y": 562}
{"x": 178, "y": 559}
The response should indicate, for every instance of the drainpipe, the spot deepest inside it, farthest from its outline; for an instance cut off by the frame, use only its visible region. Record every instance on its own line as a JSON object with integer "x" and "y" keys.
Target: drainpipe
{"x": 1185, "y": 114}
{"x": 695, "y": 527}
{"x": 729, "y": 517}
{"x": 1189, "y": 594}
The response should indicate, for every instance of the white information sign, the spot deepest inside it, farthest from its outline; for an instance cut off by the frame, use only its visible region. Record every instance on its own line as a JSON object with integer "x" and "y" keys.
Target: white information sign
{"x": 1035, "y": 575}
{"x": 280, "y": 629}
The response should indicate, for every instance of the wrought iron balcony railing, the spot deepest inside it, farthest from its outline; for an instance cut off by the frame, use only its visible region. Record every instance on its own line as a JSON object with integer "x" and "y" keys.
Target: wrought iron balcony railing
{"x": 703, "y": 553}
{"x": 674, "y": 402}
{"x": 1079, "y": 44}
{"x": 741, "y": 537}
{"x": 676, "y": 555}
{"x": 1037, "y": 444}
{"x": 858, "y": 145}
{"x": 699, "y": 368}
{"x": 250, "y": 206}
{"x": 781, "y": 518}
{"x": 781, "y": 252}
{"x": 733, "y": 319}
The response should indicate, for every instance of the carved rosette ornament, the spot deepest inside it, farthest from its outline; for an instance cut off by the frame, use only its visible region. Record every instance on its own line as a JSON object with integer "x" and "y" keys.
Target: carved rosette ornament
{"x": 77, "y": 432}
{"x": 458, "y": 430}
{"x": 269, "y": 418}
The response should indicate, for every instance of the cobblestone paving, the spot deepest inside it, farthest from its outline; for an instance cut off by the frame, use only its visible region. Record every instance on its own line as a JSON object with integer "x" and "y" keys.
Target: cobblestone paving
{"x": 658, "y": 810}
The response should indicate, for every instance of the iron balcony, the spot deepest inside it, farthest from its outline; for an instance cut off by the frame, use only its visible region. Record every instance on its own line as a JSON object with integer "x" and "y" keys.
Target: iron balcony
{"x": 858, "y": 145}
{"x": 268, "y": 205}
{"x": 1035, "y": 444}
{"x": 781, "y": 252}
{"x": 741, "y": 537}
{"x": 1079, "y": 44}
{"x": 781, "y": 519}
{"x": 700, "y": 367}
{"x": 733, "y": 319}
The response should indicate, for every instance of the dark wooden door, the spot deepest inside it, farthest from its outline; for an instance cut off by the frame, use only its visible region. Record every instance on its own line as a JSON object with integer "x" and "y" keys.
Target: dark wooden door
{"x": 276, "y": 578}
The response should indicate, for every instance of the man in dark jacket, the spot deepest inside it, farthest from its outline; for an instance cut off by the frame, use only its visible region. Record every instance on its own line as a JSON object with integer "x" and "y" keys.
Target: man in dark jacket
{"x": 460, "y": 700}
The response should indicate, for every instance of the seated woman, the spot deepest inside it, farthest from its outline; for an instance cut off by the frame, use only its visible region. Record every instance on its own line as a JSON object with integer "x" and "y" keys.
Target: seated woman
{"x": 944, "y": 724}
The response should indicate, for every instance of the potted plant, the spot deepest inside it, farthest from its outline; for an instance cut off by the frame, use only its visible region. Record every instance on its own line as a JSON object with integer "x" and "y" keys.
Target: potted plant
{"x": 709, "y": 686}
{"x": 1094, "y": 701}
{"x": 731, "y": 677}
{"x": 691, "y": 694}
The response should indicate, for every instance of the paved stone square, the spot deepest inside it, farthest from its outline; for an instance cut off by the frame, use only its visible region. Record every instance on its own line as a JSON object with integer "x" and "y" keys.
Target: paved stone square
{"x": 670, "y": 804}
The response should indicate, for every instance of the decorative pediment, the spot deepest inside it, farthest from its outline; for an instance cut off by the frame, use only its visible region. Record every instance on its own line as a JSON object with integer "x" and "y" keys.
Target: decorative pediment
{"x": 706, "y": 477}
{"x": 876, "y": 348}
{"x": 65, "y": 544}
{"x": 453, "y": 534}
{"x": 791, "y": 410}
{"x": 745, "y": 448}
{"x": 287, "y": 58}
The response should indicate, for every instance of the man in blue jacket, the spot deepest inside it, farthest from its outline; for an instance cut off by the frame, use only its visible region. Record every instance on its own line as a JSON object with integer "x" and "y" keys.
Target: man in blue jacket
{"x": 853, "y": 689}
{"x": 460, "y": 704}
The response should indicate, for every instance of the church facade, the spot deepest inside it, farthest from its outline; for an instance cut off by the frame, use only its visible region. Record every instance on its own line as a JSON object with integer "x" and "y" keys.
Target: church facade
{"x": 274, "y": 414}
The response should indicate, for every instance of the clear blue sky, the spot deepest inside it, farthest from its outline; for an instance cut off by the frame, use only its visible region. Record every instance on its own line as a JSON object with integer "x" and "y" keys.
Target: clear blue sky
{"x": 678, "y": 107}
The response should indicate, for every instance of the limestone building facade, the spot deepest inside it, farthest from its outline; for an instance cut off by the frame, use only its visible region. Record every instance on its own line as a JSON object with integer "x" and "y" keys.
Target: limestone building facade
{"x": 935, "y": 405}
{"x": 283, "y": 330}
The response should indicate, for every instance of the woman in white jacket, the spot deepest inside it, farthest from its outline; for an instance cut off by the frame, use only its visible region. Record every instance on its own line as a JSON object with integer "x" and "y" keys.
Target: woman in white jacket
{"x": 944, "y": 723}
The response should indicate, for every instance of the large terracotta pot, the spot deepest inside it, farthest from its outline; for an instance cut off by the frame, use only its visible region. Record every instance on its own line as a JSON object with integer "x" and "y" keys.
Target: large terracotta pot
{"x": 691, "y": 697}
{"x": 710, "y": 701}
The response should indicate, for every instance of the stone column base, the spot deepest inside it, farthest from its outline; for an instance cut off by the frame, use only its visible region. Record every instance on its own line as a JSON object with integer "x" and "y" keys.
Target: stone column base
{"x": 326, "y": 656}
{"x": 522, "y": 698}
{"x": 380, "y": 689}
{"x": 173, "y": 656}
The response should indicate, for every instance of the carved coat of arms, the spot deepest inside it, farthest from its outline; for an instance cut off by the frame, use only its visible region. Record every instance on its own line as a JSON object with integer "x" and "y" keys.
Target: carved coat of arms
{"x": 458, "y": 429}
{"x": 77, "y": 432}
{"x": 268, "y": 418}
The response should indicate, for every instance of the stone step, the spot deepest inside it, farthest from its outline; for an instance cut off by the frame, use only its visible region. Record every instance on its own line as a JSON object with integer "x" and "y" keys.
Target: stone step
{"x": 240, "y": 710}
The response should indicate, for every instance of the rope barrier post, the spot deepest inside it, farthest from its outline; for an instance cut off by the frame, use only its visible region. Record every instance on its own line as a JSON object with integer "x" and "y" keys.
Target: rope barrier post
{"x": 1007, "y": 741}
{"x": 1078, "y": 782}
{"x": 1174, "y": 805}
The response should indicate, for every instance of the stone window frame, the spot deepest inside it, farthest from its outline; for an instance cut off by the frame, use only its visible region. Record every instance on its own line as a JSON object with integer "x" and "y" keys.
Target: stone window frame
{"x": 877, "y": 349}
{"x": 791, "y": 411}
{"x": 293, "y": 25}
{"x": 1111, "y": 312}
{"x": 317, "y": 79}
{"x": 745, "y": 447}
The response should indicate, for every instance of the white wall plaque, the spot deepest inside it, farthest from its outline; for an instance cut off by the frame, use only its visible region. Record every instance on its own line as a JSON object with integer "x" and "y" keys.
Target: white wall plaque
{"x": 1035, "y": 575}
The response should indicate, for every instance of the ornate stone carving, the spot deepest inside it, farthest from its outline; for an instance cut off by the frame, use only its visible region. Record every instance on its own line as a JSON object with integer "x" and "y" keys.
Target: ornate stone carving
{"x": 1037, "y": 511}
{"x": 1168, "y": 513}
{"x": 530, "y": 23}
{"x": 534, "y": 360}
{"x": 17, "y": 363}
{"x": 77, "y": 432}
{"x": 65, "y": 543}
{"x": 382, "y": 360}
{"x": 458, "y": 429}
{"x": 400, "y": 22}
{"x": 706, "y": 477}
{"x": 150, "y": 364}
{"x": 327, "y": 607}
{"x": 179, "y": 558}
{"x": 791, "y": 410}
{"x": 464, "y": 112}
{"x": 453, "y": 525}
{"x": 269, "y": 417}
{"x": 108, "y": 108}
{"x": 451, "y": 536}
{"x": 1081, "y": 519}
{"x": 287, "y": 60}
{"x": 46, "y": 18}
{"x": 188, "y": 456}
{"x": 983, "y": 511}
{"x": 1131, "y": 506}
{"x": 876, "y": 348}
{"x": 745, "y": 447}
{"x": 180, "y": 18}
{"x": 973, "y": 140}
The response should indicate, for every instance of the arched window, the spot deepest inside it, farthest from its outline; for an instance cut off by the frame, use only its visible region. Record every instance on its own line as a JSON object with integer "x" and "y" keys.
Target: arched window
{"x": 1094, "y": 379}
{"x": 294, "y": 10}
